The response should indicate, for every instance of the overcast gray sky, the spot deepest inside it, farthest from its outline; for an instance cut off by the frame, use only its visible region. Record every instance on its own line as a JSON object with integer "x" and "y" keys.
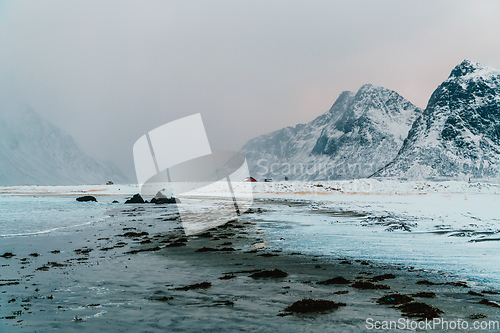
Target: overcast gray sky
{"x": 109, "y": 71}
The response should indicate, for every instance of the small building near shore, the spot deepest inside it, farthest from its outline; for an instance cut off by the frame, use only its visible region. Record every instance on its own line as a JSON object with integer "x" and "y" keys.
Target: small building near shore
{"x": 251, "y": 180}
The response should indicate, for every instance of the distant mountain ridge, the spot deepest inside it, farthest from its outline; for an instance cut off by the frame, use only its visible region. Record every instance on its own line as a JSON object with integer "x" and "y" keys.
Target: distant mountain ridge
{"x": 33, "y": 151}
{"x": 361, "y": 133}
{"x": 378, "y": 133}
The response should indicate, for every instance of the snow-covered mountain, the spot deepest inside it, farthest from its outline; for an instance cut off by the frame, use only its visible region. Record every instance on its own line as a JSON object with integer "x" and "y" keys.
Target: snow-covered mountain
{"x": 361, "y": 133}
{"x": 33, "y": 151}
{"x": 458, "y": 134}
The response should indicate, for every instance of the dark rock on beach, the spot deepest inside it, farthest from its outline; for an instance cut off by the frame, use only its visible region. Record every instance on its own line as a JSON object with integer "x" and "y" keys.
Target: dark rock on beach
{"x": 86, "y": 198}
{"x": 161, "y": 201}
{"x": 135, "y": 199}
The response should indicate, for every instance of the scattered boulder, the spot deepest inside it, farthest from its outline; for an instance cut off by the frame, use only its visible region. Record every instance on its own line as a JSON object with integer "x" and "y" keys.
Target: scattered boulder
{"x": 161, "y": 201}
{"x": 135, "y": 199}
{"x": 86, "y": 198}
{"x": 160, "y": 195}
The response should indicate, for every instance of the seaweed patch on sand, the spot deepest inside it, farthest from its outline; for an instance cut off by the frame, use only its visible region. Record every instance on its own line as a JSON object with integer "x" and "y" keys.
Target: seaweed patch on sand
{"x": 308, "y": 305}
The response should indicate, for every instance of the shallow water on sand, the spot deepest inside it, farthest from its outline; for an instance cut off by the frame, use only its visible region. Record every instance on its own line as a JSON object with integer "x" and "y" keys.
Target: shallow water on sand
{"x": 30, "y": 215}
{"x": 395, "y": 240}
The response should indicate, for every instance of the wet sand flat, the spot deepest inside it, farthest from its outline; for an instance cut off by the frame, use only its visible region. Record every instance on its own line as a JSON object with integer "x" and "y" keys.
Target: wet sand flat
{"x": 126, "y": 275}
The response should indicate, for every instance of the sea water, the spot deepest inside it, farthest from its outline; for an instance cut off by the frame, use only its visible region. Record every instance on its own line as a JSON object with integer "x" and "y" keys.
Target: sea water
{"x": 35, "y": 215}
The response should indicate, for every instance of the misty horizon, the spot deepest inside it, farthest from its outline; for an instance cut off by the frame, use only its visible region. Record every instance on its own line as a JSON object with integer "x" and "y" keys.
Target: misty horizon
{"x": 108, "y": 73}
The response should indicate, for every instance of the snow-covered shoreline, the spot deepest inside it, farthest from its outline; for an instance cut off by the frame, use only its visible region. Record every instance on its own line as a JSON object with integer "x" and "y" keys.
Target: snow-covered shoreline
{"x": 297, "y": 188}
{"x": 447, "y": 226}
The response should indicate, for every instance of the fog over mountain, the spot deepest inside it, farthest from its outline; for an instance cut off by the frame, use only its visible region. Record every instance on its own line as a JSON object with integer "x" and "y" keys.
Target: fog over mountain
{"x": 35, "y": 152}
{"x": 111, "y": 71}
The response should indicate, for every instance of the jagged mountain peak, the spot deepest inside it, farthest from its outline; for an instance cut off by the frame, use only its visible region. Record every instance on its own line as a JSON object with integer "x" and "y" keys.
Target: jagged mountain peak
{"x": 466, "y": 67}
{"x": 458, "y": 134}
{"x": 469, "y": 86}
{"x": 360, "y": 133}
{"x": 468, "y": 70}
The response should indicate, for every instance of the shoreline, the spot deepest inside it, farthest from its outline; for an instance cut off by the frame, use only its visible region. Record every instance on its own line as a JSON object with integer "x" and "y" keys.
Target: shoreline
{"x": 137, "y": 282}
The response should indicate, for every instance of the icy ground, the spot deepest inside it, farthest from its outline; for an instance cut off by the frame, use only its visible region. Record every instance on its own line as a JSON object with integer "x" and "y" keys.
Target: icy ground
{"x": 440, "y": 226}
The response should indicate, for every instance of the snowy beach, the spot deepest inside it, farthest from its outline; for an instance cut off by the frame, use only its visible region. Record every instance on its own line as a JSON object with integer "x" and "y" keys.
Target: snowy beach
{"x": 92, "y": 265}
